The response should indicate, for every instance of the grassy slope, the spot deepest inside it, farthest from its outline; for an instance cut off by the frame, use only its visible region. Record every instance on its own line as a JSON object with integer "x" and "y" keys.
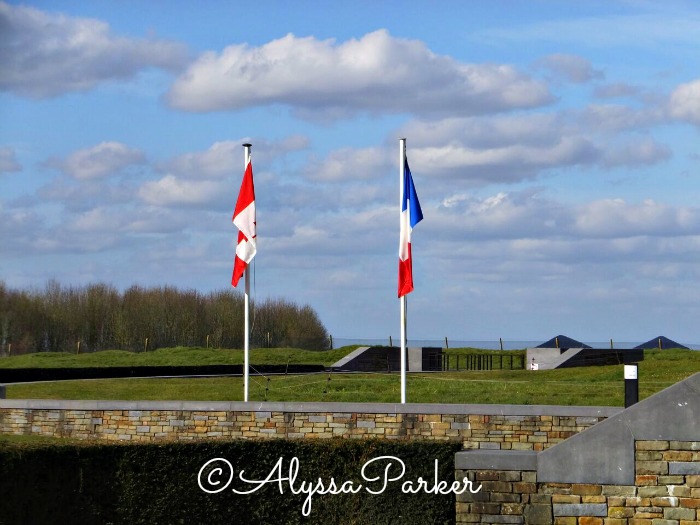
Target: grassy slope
{"x": 596, "y": 386}
{"x": 174, "y": 357}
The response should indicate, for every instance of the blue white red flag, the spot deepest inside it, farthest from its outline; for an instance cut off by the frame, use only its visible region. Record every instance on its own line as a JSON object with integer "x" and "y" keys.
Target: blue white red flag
{"x": 411, "y": 215}
{"x": 244, "y": 219}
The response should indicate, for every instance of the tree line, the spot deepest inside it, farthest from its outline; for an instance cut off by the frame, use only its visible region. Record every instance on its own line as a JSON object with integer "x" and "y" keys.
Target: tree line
{"x": 97, "y": 316}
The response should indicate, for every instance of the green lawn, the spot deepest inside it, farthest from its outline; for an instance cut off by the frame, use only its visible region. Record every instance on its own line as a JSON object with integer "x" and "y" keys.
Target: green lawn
{"x": 595, "y": 386}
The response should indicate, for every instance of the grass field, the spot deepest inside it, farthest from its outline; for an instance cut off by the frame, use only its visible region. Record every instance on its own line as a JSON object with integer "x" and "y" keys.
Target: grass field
{"x": 594, "y": 386}
{"x": 176, "y": 356}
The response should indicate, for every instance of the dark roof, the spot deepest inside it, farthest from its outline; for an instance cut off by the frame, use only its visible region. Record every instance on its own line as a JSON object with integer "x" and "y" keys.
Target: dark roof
{"x": 564, "y": 342}
{"x": 665, "y": 342}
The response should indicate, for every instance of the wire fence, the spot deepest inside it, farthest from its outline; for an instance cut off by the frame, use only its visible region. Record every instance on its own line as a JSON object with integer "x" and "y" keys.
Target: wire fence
{"x": 492, "y": 344}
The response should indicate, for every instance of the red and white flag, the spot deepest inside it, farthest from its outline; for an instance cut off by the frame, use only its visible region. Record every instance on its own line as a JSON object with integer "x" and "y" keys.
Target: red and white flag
{"x": 244, "y": 219}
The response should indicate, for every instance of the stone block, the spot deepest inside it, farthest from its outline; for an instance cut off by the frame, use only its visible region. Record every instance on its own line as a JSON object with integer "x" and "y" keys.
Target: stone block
{"x": 679, "y": 514}
{"x": 594, "y": 499}
{"x": 524, "y": 487}
{"x": 671, "y": 480}
{"x": 684, "y": 445}
{"x": 652, "y": 467}
{"x": 590, "y": 520}
{"x": 614, "y": 521}
{"x": 565, "y": 498}
{"x": 497, "y": 486}
{"x": 678, "y": 455}
{"x": 500, "y": 518}
{"x": 509, "y": 475}
{"x": 619, "y": 490}
{"x": 505, "y": 497}
{"x": 580, "y": 509}
{"x": 679, "y": 491}
{"x": 652, "y": 445}
{"x": 614, "y": 501}
{"x": 620, "y": 512}
{"x": 684, "y": 468}
{"x": 648, "y": 512}
{"x": 649, "y": 455}
{"x": 586, "y": 489}
{"x": 484, "y": 507}
{"x": 512, "y": 508}
{"x": 653, "y": 492}
{"x": 535, "y": 514}
{"x": 666, "y": 501}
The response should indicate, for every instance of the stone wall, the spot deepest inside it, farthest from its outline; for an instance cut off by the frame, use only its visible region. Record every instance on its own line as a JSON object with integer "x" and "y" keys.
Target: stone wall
{"x": 666, "y": 491}
{"x": 660, "y": 485}
{"x": 509, "y": 427}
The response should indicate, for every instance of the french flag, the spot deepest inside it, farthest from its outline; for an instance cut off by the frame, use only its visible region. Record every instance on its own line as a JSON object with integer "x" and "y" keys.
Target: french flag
{"x": 411, "y": 215}
{"x": 244, "y": 219}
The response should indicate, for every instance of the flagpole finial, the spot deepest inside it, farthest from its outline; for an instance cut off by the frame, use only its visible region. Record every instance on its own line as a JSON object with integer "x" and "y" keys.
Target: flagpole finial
{"x": 247, "y": 145}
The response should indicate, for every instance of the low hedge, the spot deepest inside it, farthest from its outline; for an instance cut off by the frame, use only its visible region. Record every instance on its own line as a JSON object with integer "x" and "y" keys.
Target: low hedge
{"x": 22, "y": 375}
{"x": 82, "y": 483}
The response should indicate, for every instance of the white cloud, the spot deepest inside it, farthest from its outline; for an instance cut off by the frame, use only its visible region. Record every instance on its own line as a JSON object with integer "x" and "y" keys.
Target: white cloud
{"x": 348, "y": 165}
{"x": 171, "y": 190}
{"x": 617, "y": 218}
{"x": 102, "y": 160}
{"x": 377, "y": 73}
{"x": 226, "y": 157}
{"x": 572, "y": 68}
{"x": 615, "y": 90}
{"x": 640, "y": 152}
{"x": 512, "y": 148}
{"x": 523, "y": 226}
{"x": 8, "y": 160}
{"x": 685, "y": 102}
{"x": 46, "y": 55}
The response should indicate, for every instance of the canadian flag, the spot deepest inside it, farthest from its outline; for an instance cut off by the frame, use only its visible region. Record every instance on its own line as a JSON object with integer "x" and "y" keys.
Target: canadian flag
{"x": 244, "y": 219}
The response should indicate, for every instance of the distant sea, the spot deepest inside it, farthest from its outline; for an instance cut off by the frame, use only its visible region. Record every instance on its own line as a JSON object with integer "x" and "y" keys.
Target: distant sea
{"x": 486, "y": 345}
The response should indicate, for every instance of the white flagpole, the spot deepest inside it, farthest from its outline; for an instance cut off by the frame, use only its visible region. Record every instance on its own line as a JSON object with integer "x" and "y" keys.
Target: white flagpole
{"x": 246, "y": 308}
{"x": 402, "y": 167}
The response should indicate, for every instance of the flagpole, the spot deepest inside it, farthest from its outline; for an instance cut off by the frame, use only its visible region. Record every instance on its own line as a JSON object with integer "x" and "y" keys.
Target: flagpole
{"x": 246, "y": 303}
{"x": 402, "y": 167}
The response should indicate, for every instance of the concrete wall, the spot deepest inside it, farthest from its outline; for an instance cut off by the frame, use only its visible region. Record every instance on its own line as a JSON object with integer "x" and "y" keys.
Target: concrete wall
{"x": 638, "y": 467}
{"x": 508, "y": 427}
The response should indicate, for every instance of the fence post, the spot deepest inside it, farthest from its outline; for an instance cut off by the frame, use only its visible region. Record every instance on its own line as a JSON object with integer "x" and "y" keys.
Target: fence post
{"x": 447, "y": 346}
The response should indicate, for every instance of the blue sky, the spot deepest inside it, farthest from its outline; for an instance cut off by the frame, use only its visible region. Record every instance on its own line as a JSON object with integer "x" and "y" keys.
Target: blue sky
{"x": 554, "y": 147}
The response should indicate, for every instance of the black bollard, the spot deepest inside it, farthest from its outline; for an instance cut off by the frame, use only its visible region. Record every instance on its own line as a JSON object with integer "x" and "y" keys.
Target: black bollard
{"x": 631, "y": 385}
